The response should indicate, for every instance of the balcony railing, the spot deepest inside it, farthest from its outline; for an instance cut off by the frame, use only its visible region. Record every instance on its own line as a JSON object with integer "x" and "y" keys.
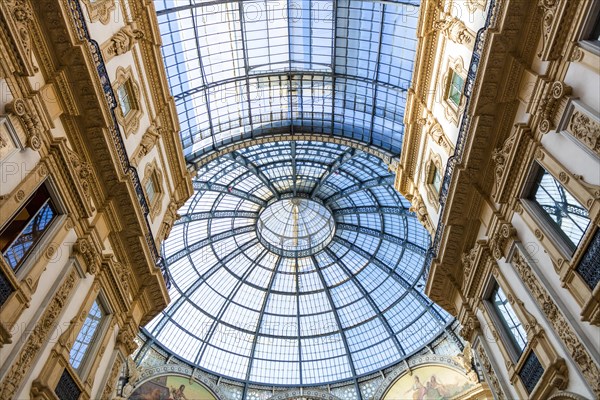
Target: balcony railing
{"x": 115, "y": 131}
{"x": 456, "y": 158}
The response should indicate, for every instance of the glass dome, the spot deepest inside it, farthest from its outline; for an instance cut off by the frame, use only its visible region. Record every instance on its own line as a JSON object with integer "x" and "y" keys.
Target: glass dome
{"x": 340, "y": 297}
{"x": 295, "y": 226}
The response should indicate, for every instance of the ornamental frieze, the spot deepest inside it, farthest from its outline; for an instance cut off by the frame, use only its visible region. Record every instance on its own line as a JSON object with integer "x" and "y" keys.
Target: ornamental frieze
{"x": 17, "y": 15}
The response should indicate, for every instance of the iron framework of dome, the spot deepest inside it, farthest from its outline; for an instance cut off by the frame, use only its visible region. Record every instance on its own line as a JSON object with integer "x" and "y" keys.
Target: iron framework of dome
{"x": 296, "y": 315}
{"x": 296, "y": 262}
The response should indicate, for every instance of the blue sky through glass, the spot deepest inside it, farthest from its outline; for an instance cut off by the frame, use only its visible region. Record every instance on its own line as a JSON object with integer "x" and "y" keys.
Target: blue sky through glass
{"x": 352, "y": 308}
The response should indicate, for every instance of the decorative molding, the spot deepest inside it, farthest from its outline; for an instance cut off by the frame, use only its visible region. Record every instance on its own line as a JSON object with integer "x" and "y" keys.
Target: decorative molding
{"x": 121, "y": 42}
{"x": 89, "y": 254}
{"x": 490, "y": 375}
{"x": 583, "y": 124}
{"x": 455, "y": 30}
{"x": 29, "y": 119}
{"x": 553, "y": 98}
{"x": 304, "y": 393}
{"x": 149, "y": 140}
{"x": 99, "y": 10}
{"x": 38, "y": 337}
{"x": 131, "y": 121}
{"x": 18, "y": 17}
{"x": 589, "y": 369}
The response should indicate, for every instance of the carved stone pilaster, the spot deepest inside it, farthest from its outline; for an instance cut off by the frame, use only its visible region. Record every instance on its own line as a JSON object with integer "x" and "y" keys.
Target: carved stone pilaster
{"x": 121, "y": 42}
{"x": 30, "y": 121}
{"x": 490, "y": 374}
{"x": 577, "y": 351}
{"x": 38, "y": 337}
{"x": 18, "y": 15}
{"x": 109, "y": 388}
{"x": 420, "y": 209}
{"x": 170, "y": 217}
{"x": 556, "y": 22}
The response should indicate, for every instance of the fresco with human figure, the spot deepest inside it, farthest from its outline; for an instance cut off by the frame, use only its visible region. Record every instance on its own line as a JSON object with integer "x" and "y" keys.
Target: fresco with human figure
{"x": 171, "y": 388}
{"x": 431, "y": 382}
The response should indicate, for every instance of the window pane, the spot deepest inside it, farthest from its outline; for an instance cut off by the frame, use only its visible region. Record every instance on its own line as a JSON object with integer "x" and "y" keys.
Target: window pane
{"x": 456, "y": 87}
{"x": 124, "y": 98}
{"x": 23, "y": 232}
{"x": 437, "y": 180}
{"x": 150, "y": 190}
{"x": 86, "y": 335}
{"x": 509, "y": 319}
{"x": 569, "y": 216}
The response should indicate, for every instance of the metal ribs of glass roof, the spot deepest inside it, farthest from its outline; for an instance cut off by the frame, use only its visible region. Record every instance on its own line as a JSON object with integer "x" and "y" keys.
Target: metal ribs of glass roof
{"x": 241, "y": 311}
{"x": 241, "y": 69}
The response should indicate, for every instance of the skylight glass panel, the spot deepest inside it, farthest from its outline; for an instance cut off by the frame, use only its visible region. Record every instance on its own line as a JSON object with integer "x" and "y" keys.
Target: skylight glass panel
{"x": 317, "y": 65}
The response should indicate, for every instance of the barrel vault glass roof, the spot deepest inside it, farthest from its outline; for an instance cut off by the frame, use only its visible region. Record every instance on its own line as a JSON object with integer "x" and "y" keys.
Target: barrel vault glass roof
{"x": 241, "y": 69}
{"x": 333, "y": 313}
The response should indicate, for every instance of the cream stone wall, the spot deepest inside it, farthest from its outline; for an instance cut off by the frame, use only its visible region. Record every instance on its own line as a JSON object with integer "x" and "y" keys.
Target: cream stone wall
{"x": 58, "y": 130}
{"x": 535, "y": 99}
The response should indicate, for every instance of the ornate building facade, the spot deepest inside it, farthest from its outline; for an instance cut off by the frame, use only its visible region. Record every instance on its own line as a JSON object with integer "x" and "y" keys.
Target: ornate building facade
{"x": 516, "y": 213}
{"x": 145, "y": 144}
{"x": 92, "y": 174}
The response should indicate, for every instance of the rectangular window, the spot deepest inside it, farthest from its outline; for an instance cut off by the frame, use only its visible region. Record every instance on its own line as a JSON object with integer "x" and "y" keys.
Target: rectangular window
{"x": 23, "y": 232}
{"x": 507, "y": 317}
{"x": 150, "y": 190}
{"x": 456, "y": 88}
{"x": 559, "y": 208}
{"x": 87, "y": 335}
{"x": 124, "y": 97}
{"x": 436, "y": 179}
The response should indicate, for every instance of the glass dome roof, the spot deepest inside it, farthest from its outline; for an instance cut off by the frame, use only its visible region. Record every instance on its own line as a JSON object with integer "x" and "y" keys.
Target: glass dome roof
{"x": 244, "y": 69}
{"x": 344, "y": 298}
